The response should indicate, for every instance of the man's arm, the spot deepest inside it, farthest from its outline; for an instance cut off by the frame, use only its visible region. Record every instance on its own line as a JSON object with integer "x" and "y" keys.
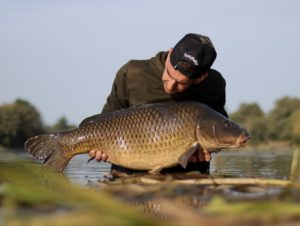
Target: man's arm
{"x": 220, "y": 84}
{"x": 118, "y": 98}
{"x": 222, "y": 100}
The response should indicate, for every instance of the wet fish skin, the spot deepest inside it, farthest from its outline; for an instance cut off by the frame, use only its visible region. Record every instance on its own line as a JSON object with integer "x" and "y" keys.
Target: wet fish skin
{"x": 149, "y": 137}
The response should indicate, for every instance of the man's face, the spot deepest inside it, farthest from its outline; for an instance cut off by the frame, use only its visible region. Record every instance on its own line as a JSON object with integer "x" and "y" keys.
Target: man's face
{"x": 174, "y": 81}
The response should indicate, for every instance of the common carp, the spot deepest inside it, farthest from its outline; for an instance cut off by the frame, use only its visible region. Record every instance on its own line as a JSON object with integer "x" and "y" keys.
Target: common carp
{"x": 148, "y": 137}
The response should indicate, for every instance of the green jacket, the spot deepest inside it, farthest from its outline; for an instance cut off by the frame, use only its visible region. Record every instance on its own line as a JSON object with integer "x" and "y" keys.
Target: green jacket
{"x": 140, "y": 82}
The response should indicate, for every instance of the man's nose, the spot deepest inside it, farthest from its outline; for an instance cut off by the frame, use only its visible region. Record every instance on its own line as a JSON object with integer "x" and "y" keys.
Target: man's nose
{"x": 171, "y": 84}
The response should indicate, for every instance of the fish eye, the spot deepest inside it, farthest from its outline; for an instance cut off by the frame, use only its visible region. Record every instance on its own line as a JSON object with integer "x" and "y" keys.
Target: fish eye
{"x": 227, "y": 124}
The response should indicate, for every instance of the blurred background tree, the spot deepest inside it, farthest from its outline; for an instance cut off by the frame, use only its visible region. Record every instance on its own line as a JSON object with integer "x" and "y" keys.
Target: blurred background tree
{"x": 250, "y": 116}
{"x": 9, "y": 124}
{"x": 295, "y": 127}
{"x": 62, "y": 124}
{"x": 18, "y": 122}
{"x": 280, "y": 118}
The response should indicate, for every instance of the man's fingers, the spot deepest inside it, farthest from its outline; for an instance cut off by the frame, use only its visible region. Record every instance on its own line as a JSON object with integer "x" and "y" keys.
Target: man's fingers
{"x": 104, "y": 157}
{"x": 193, "y": 159}
{"x": 207, "y": 155}
{"x": 92, "y": 153}
{"x": 98, "y": 156}
{"x": 204, "y": 155}
{"x": 201, "y": 157}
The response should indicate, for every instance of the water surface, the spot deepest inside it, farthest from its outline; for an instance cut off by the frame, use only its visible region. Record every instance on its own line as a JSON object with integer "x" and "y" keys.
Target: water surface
{"x": 262, "y": 164}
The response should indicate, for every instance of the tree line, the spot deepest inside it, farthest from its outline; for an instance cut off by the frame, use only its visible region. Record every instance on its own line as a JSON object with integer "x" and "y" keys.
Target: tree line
{"x": 21, "y": 120}
{"x": 282, "y": 123}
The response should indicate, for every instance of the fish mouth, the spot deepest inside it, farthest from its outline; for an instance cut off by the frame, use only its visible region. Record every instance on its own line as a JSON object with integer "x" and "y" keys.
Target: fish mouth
{"x": 242, "y": 140}
{"x": 238, "y": 142}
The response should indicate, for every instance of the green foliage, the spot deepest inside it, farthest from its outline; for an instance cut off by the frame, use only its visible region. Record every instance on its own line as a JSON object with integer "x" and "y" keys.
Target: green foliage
{"x": 18, "y": 121}
{"x": 295, "y": 127}
{"x": 253, "y": 119}
{"x": 24, "y": 186}
{"x": 281, "y": 124}
{"x": 270, "y": 209}
{"x": 31, "y": 196}
{"x": 61, "y": 125}
{"x": 9, "y": 123}
{"x": 246, "y": 111}
{"x": 279, "y": 120}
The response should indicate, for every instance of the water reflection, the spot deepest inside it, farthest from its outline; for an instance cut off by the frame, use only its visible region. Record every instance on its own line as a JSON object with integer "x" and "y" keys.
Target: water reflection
{"x": 267, "y": 164}
{"x": 79, "y": 171}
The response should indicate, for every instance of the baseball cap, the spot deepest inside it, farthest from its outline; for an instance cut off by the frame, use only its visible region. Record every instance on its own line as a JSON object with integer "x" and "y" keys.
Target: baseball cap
{"x": 193, "y": 55}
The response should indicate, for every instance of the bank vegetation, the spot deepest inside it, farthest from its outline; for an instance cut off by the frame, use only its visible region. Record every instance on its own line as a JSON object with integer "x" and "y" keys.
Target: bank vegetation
{"x": 281, "y": 126}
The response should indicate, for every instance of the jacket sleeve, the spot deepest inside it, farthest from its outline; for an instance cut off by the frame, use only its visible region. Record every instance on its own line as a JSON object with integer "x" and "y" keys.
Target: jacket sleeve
{"x": 222, "y": 99}
{"x": 118, "y": 98}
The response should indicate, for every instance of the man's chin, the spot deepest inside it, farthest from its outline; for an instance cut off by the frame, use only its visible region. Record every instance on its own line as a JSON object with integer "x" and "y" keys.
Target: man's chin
{"x": 171, "y": 91}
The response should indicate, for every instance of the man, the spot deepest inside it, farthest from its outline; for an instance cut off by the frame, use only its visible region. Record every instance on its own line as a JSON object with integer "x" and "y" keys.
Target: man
{"x": 181, "y": 74}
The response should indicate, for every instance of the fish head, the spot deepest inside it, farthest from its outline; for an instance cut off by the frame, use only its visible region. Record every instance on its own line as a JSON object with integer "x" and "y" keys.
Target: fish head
{"x": 216, "y": 131}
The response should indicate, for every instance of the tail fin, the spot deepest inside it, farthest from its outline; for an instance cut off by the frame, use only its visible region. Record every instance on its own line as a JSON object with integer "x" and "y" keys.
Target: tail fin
{"x": 49, "y": 150}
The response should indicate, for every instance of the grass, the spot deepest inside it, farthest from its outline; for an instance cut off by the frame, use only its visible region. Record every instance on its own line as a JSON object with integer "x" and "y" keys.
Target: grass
{"x": 30, "y": 195}
{"x": 28, "y": 188}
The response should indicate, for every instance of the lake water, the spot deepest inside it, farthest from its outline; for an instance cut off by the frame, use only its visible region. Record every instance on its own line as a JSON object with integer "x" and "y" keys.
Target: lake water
{"x": 262, "y": 164}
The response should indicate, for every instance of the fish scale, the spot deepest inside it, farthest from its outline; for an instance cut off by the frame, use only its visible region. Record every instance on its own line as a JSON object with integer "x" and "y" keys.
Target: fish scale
{"x": 149, "y": 137}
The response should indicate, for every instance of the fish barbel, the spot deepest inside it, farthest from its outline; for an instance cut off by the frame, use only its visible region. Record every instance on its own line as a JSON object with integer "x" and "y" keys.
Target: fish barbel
{"x": 149, "y": 137}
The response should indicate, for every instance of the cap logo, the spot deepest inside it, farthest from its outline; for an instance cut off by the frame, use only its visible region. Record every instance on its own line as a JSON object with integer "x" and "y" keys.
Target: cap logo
{"x": 191, "y": 58}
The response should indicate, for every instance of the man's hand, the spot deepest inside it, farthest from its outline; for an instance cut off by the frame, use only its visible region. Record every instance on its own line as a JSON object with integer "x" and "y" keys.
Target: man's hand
{"x": 98, "y": 155}
{"x": 200, "y": 156}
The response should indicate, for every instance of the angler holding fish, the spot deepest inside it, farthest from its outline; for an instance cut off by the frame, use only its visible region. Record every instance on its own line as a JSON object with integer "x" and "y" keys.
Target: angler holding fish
{"x": 185, "y": 122}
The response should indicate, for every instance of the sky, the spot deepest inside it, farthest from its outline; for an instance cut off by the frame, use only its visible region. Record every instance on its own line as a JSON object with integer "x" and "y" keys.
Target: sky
{"x": 62, "y": 55}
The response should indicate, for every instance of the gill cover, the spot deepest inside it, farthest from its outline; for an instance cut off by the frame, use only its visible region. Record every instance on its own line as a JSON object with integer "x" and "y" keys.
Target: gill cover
{"x": 217, "y": 131}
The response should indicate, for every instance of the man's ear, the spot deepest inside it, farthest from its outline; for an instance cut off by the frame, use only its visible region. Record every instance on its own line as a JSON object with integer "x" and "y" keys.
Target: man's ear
{"x": 200, "y": 79}
{"x": 169, "y": 54}
{"x": 170, "y": 51}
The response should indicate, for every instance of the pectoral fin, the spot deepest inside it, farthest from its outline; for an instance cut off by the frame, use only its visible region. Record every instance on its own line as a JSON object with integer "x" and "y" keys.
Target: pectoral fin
{"x": 183, "y": 159}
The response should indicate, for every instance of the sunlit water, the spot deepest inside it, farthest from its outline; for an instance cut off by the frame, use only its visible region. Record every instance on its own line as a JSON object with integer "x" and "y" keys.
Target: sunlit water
{"x": 266, "y": 164}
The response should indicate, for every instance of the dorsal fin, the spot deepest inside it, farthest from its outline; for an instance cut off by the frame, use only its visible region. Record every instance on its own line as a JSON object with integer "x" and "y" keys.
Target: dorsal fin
{"x": 91, "y": 119}
{"x": 98, "y": 117}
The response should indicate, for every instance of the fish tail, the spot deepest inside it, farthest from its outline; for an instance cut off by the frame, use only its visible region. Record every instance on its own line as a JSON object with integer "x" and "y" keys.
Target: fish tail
{"x": 49, "y": 150}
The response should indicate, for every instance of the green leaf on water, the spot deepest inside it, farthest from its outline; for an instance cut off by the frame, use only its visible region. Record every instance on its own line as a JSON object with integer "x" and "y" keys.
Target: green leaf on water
{"x": 254, "y": 209}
